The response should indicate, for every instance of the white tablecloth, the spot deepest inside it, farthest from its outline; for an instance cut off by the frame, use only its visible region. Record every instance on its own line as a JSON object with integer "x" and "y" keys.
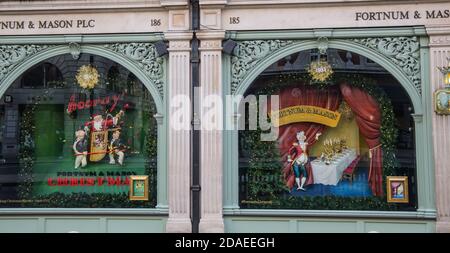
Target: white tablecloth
{"x": 331, "y": 174}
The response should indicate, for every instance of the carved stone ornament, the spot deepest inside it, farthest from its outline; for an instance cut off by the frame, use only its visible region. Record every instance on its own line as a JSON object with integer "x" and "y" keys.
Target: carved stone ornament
{"x": 12, "y": 55}
{"x": 404, "y": 52}
{"x": 248, "y": 54}
{"x": 322, "y": 45}
{"x": 74, "y": 50}
{"x": 145, "y": 56}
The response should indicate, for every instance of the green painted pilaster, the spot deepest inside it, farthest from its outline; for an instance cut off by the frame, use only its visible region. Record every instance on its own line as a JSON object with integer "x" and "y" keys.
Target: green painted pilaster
{"x": 230, "y": 144}
{"x": 424, "y": 138}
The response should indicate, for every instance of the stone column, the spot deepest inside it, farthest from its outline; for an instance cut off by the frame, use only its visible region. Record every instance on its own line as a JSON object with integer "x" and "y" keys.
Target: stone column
{"x": 211, "y": 158}
{"x": 439, "y": 51}
{"x": 179, "y": 144}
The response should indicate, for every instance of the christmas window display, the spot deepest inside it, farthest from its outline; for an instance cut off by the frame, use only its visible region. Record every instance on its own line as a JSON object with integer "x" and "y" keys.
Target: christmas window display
{"x": 73, "y": 139}
{"x": 339, "y": 138}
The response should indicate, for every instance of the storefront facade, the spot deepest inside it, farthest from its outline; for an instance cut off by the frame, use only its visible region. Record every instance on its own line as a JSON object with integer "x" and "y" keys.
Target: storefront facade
{"x": 376, "y": 114}
{"x": 44, "y": 61}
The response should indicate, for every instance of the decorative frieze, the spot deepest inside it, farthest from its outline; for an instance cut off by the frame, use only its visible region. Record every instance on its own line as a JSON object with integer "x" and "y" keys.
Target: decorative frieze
{"x": 443, "y": 40}
{"x": 142, "y": 54}
{"x": 13, "y": 55}
{"x": 402, "y": 51}
{"x": 211, "y": 45}
{"x": 179, "y": 45}
{"x": 146, "y": 57}
{"x": 248, "y": 54}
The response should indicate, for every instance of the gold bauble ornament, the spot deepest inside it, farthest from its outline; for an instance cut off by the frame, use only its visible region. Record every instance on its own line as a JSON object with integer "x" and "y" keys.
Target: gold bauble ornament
{"x": 320, "y": 70}
{"x": 87, "y": 77}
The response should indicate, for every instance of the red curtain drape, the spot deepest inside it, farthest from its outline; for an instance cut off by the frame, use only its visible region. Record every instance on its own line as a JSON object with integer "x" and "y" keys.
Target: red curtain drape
{"x": 368, "y": 117}
{"x": 303, "y": 95}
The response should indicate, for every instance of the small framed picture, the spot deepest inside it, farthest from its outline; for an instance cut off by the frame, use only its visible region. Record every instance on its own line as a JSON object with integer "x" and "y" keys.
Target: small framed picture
{"x": 397, "y": 189}
{"x": 8, "y": 99}
{"x": 442, "y": 101}
{"x": 138, "y": 187}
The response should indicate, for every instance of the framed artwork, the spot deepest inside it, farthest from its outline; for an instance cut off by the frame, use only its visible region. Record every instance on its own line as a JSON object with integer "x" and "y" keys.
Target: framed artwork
{"x": 442, "y": 101}
{"x": 8, "y": 99}
{"x": 138, "y": 187}
{"x": 397, "y": 189}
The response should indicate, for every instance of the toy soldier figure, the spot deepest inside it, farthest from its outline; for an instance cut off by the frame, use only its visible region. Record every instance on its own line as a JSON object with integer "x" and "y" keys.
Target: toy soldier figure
{"x": 80, "y": 148}
{"x": 116, "y": 148}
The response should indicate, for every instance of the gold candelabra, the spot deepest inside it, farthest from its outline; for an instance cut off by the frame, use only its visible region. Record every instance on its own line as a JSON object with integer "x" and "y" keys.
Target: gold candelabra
{"x": 332, "y": 147}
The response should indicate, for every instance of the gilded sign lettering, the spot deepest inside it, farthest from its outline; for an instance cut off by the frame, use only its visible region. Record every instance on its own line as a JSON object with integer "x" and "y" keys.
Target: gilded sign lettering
{"x": 48, "y": 24}
{"x": 304, "y": 113}
{"x": 401, "y": 15}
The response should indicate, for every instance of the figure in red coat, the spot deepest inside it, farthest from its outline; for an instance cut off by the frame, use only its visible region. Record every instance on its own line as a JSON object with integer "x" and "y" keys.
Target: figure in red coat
{"x": 298, "y": 158}
{"x": 100, "y": 124}
{"x": 98, "y": 129}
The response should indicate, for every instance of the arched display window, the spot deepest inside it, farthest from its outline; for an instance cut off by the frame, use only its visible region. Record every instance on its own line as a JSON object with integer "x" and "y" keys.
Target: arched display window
{"x": 78, "y": 138}
{"x": 45, "y": 75}
{"x": 346, "y": 137}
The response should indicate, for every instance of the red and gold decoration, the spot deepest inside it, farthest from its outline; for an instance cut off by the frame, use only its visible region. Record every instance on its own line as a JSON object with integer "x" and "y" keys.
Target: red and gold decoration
{"x": 375, "y": 122}
{"x": 345, "y": 111}
{"x": 305, "y": 113}
{"x": 331, "y": 148}
{"x": 87, "y": 77}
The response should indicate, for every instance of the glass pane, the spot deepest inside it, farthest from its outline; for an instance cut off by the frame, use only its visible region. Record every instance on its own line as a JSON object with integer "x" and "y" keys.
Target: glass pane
{"x": 76, "y": 137}
{"x": 339, "y": 141}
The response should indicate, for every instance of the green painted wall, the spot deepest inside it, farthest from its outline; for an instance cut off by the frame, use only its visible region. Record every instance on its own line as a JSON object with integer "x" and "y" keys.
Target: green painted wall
{"x": 324, "y": 225}
{"x": 89, "y": 224}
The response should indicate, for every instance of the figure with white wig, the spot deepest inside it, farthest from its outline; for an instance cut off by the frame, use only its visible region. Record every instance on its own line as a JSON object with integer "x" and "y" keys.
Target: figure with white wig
{"x": 298, "y": 158}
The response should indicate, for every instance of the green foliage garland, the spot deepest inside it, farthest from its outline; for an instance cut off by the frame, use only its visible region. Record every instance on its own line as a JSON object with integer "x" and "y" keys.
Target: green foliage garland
{"x": 264, "y": 175}
{"x": 151, "y": 151}
{"x": 26, "y": 152}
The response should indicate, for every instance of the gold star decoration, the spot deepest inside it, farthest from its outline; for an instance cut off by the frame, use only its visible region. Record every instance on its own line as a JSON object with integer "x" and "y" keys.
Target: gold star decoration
{"x": 320, "y": 70}
{"x": 87, "y": 77}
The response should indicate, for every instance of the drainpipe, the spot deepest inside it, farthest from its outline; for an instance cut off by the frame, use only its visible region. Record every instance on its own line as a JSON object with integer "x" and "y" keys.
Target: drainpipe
{"x": 195, "y": 77}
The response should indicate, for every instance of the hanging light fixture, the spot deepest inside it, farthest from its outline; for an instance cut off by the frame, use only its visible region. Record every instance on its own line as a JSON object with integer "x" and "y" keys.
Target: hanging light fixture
{"x": 442, "y": 96}
{"x": 320, "y": 71}
{"x": 446, "y": 72}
